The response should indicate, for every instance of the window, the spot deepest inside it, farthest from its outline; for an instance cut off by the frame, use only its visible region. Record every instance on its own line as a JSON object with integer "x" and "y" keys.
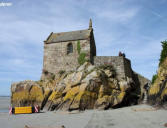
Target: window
{"x": 69, "y": 48}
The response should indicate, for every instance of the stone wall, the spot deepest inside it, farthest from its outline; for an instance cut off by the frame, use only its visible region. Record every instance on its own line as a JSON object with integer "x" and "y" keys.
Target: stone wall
{"x": 141, "y": 81}
{"x": 56, "y": 58}
{"x": 123, "y": 70}
{"x": 121, "y": 65}
{"x": 127, "y": 67}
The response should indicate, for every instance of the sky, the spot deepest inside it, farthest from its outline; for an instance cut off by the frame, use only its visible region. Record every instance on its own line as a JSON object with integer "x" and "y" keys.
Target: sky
{"x": 135, "y": 27}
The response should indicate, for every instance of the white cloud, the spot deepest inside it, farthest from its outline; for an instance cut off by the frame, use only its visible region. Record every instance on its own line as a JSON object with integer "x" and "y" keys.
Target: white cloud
{"x": 118, "y": 26}
{"x": 122, "y": 15}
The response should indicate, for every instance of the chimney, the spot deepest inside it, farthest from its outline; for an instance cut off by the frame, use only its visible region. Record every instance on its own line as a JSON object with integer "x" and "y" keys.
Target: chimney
{"x": 90, "y": 24}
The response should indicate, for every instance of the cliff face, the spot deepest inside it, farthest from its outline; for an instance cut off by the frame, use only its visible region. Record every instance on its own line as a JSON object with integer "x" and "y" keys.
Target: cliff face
{"x": 28, "y": 93}
{"x": 88, "y": 87}
{"x": 158, "y": 91}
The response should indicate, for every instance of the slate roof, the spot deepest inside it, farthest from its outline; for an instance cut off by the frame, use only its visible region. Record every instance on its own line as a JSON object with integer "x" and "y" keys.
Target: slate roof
{"x": 68, "y": 36}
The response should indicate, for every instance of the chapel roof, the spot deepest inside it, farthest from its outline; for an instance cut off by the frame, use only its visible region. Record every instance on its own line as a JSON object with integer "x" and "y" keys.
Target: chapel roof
{"x": 68, "y": 36}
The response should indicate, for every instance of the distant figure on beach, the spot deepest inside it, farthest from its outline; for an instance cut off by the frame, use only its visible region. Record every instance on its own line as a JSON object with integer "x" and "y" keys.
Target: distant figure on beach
{"x": 122, "y": 54}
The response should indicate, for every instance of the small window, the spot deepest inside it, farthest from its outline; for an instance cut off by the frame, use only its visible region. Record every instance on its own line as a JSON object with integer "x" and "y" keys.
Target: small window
{"x": 69, "y": 48}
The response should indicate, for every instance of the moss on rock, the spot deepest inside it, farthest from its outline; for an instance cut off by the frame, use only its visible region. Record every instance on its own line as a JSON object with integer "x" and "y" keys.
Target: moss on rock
{"x": 158, "y": 91}
{"x": 88, "y": 87}
{"x": 71, "y": 93}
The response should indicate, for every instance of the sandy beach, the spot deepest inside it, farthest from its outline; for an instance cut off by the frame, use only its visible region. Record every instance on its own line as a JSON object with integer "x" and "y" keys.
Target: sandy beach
{"x": 4, "y": 104}
{"x": 140, "y": 116}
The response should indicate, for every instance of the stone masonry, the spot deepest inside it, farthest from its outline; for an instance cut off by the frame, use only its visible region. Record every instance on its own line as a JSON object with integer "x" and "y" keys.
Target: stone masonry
{"x": 61, "y": 54}
{"x": 56, "y": 56}
{"x": 120, "y": 64}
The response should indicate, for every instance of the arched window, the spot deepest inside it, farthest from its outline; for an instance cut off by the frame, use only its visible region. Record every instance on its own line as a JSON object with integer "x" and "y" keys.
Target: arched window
{"x": 69, "y": 48}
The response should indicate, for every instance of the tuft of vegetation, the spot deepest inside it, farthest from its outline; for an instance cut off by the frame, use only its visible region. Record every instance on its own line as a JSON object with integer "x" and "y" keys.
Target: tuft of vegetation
{"x": 78, "y": 47}
{"x": 163, "y": 52}
{"x": 61, "y": 72}
{"x": 162, "y": 58}
{"x": 154, "y": 78}
{"x": 81, "y": 58}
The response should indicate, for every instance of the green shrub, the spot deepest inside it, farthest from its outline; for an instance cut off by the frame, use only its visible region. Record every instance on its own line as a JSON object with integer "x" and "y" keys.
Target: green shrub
{"x": 163, "y": 52}
{"x": 81, "y": 58}
{"x": 154, "y": 78}
{"x": 82, "y": 55}
{"x": 78, "y": 47}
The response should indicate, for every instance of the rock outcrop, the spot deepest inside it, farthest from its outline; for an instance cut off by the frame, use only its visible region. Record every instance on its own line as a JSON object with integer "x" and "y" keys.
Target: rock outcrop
{"x": 28, "y": 93}
{"x": 89, "y": 87}
{"x": 158, "y": 91}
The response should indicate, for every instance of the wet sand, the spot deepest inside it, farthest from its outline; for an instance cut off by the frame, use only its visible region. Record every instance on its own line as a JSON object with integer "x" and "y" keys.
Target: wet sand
{"x": 140, "y": 116}
{"x": 4, "y": 104}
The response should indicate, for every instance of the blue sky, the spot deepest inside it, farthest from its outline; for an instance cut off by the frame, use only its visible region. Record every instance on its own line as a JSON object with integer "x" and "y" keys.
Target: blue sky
{"x": 135, "y": 27}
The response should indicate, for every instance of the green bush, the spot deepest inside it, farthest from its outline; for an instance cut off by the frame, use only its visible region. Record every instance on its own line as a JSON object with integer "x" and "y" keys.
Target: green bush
{"x": 154, "y": 78}
{"x": 163, "y": 52}
{"x": 81, "y": 58}
{"x": 78, "y": 47}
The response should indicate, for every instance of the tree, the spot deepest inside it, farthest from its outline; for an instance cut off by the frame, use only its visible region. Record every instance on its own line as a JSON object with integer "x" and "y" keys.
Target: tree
{"x": 154, "y": 78}
{"x": 163, "y": 52}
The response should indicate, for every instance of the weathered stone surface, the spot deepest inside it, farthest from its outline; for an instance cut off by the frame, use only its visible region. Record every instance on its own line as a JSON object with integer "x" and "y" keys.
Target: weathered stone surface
{"x": 158, "y": 91}
{"x": 120, "y": 64}
{"x": 124, "y": 85}
{"x": 56, "y": 56}
{"x": 88, "y": 87}
{"x": 140, "y": 82}
{"x": 104, "y": 102}
{"x": 96, "y": 89}
{"x": 23, "y": 85}
{"x": 90, "y": 68}
{"x": 82, "y": 67}
{"x": 26, "y": 93}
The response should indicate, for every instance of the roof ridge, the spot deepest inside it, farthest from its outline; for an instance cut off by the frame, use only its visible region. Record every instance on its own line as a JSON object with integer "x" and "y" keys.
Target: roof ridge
{"x": 72, "y": 31}
{"x": 68, "y": 36}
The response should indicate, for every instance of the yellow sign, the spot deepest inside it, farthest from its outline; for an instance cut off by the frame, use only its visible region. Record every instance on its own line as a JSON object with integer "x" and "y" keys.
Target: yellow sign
{"x": 19, "y": 110}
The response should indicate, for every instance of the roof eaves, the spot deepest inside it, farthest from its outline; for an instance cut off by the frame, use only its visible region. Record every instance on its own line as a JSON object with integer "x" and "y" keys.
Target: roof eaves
{"x": 48, "y": 37}
{"x": 64, "y": 41}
